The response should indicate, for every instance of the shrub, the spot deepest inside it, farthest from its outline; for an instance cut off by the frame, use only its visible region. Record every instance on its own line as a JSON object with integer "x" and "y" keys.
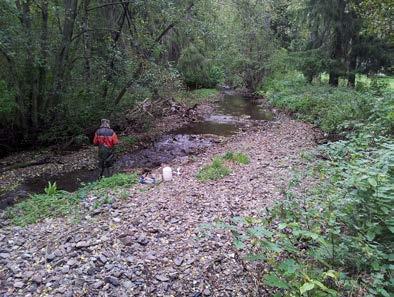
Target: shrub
{"x": 332, "y": 109}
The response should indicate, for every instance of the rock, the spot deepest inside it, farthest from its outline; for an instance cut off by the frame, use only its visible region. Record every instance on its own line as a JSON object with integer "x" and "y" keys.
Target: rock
{"x": 207, "y": 292}
{"x": 117, "y": 220}
{"x": 50, "y": 257}
{"x": 98, "y": 285}
{"x": 112, "y": 280}
{"x": 142, "y": 240}
{"x": 65, "y": 269}
{"x": 19, "y": 285}
{"x": 37, "y": 279}
{"x": 127, "y": 241}
{"x": 103, "y": 259}
{"x": 178, "y": 261}
{"x": 162, "y": 278}
{"x": 4, "y": 255}
{"x": 82, "y": 244}
{"x": 71, "y": 262}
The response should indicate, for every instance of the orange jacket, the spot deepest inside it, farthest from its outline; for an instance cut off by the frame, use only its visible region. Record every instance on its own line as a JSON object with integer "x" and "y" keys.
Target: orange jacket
{"x": 106, "y": 137}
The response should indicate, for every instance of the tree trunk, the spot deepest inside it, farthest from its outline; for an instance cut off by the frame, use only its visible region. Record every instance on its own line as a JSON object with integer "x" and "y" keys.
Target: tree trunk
{"x": 334, "y": 79}
{"x": 70, "y": 8}
{"x": 86, "y": 42}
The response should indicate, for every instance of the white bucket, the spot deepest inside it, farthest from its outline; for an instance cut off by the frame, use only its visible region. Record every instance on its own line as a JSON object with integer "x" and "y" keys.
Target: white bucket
{"x": 167, "y": 174}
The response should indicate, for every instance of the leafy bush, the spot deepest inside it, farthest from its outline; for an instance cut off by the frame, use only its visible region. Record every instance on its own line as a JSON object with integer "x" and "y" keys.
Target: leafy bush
{"x": 329, "y": 108}
{"x": 335, "y": 239}
{"x": 215, "y": 171}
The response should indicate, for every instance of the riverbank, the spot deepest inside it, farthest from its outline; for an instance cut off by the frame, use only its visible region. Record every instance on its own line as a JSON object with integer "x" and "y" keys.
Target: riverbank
{"x": 15, "y": 169}
{"x": 150, "y": 242}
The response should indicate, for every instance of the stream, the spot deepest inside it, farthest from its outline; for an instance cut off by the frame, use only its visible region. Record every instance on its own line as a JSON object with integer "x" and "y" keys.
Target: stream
{"x": 231, "y": 114}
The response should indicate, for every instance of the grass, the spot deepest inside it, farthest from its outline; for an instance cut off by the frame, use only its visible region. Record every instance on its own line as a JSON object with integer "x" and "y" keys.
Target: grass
{"x": 216, "y": 170}
{"x": 196, "y": 96}
{"x": 236, "y": 157}
{"x": 60, "y": 203}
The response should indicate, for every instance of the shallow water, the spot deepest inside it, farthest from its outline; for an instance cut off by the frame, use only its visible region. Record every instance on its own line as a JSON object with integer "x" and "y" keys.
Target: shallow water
{"x": 232, "y": 112}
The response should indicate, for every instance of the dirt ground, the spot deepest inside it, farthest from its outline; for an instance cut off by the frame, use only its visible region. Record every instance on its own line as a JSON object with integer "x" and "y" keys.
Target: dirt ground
{"x": 151, "y": 243}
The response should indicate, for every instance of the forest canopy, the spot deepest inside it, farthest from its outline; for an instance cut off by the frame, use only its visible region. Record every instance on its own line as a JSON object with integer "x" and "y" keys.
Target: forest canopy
{"x": 67, "y": 63}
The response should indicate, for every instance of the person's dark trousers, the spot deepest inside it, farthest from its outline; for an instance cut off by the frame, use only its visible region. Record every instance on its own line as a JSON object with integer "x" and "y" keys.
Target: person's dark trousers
{"x": 106, "y": 160}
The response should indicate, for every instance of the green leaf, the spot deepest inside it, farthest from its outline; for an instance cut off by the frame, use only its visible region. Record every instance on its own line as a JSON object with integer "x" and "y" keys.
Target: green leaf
{"x": 372, "y": 182}
{"x": 306, "y": 287}
{"x": 259, "y": 231}
{"x": 273, "y": 281}
{"x": 239, "y": 244}
{"x": 289, "y": 266}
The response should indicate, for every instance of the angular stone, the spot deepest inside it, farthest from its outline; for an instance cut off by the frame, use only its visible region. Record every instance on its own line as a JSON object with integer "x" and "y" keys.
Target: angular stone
{"x": 19, "y": 285}
{"x": 178, "y": 261}
{"x": 4, "y": 255}
{"x": 50, "y": 257}
{"x": 112, "y": 280}
{"x": 82, "y": 244}
{"x": 98, "y": 285}
{"x": 162, "y": 278}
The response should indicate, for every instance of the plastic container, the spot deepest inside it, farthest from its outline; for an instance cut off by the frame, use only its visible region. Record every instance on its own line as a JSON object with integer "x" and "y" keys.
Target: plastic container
{"x": 167, "y": 174}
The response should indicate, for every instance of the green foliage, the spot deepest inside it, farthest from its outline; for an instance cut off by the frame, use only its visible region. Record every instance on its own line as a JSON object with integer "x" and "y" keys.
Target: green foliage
{"x": 333, "y": 109}
{"x": 237, "y": 157}
{"x": 56, "y": 203}
{"x": 335, "y": 239}
{"x": 41, "y": 206}
{"x": 117, "y": 180}
{"x": 127, "y": 143}
{"x": 197, "y": 70}
{"x": 216, "y": 170}
{"x": 51, "y": 189}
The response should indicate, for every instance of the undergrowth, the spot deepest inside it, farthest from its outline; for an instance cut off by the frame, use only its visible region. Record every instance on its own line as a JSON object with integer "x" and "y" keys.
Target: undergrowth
{"x": 334, "y": 239}
{"x": 57, "y": 203}
{"x": 334, "y": 110}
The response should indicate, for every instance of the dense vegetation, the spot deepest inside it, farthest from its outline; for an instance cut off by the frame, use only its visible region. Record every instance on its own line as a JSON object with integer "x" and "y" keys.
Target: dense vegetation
{"x": 66, "y": 64}
{"x": 336, "y": 238}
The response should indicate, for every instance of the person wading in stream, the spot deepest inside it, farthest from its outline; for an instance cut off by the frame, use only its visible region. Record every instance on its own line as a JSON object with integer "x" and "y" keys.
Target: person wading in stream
{"x": 106, "y": 139}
